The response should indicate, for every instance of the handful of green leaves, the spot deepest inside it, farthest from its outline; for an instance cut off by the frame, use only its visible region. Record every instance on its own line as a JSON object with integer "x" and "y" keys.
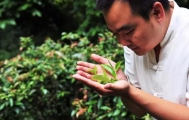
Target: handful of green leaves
{"x": 107, "y": 69}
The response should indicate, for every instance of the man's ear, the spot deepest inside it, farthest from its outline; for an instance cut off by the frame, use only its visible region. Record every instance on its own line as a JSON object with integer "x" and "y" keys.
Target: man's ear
{"x": 158, "y": 11}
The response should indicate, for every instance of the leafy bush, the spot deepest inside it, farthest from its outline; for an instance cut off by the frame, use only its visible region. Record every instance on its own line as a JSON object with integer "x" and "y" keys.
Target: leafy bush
{"x": 37, "y": 83}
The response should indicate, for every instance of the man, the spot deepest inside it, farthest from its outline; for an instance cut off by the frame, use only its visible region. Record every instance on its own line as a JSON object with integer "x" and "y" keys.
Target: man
{"x": 156, "y": 40}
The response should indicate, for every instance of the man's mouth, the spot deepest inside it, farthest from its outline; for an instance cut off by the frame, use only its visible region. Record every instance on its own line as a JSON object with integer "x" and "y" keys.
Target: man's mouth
{"x": 133, "y": 47}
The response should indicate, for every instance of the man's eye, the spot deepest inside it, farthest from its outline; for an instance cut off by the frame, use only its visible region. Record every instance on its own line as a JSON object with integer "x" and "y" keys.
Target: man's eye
{"x": 130, "y": 32}
{"x": 127, "y": 33}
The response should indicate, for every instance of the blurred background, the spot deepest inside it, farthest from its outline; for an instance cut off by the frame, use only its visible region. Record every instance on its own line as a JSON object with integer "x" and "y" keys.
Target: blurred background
{"x": 48, "y": 18}
{"x": 40, "y": 43}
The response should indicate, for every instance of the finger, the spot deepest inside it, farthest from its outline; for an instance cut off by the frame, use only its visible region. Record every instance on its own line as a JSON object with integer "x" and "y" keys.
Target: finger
{"x": 85, "y": 69}
{"x": 120, "y": 87}
{"x": 84, "y": 74}
{"x": 87, "y": 81}
{"x": 101, "y": 59}
{"x": 86, "y": 64}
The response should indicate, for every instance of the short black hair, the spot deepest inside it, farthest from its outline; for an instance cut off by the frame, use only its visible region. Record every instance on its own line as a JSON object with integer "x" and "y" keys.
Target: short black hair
{"x": 140, "y": 7}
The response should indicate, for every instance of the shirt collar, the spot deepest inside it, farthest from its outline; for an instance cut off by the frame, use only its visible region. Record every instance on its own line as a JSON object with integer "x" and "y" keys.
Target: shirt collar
{"x": 171, "y": 27}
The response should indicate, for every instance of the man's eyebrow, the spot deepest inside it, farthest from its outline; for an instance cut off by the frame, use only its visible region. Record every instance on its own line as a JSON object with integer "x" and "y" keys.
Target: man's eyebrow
{"x": 124, "y": 27}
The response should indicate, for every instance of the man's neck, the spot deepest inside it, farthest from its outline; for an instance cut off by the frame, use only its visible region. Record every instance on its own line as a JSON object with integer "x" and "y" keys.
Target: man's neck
{"x": 157, "y": 50}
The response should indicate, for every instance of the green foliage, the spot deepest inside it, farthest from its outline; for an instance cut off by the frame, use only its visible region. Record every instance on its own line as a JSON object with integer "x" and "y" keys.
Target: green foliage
{"x": 35, "y": 84}
{"x": 107, "y": 69}
{"x": 11, "y": 9}
{"x": 48, "y": 18}
{"x": 75, "y": 15}
{"x": 38, "y": 83}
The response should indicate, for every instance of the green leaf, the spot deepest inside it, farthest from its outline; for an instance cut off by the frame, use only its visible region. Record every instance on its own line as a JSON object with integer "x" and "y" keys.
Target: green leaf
{"x": 24, "y": 7}
{"x": 99, "y": 103}
{"x": 123, "y": 114}
{"x": 110, "y": 114}
{"x": 102, "y": 117}
{"x": 31, "y": 92}
{"x": 117, "y": 112}
{"x": 36, "y": 13}
{"x": 109, "y": 69}
{"x": 11, "y": 102}
{"x": 104, "y": 73}
{"x": 100, "y": 78}
{"x": 4, "y": 23}
{"x": 93, "y": 71}
{"x": 105, "y": 108}
{"x": 19, "y": 103}
{"x": 73, "y": 112}
{"x": 110, "y": 64}
{"x": 17, "y": 110}
{"x": 45, "y": 91}
{"x": 2, "y": 106}
{"x": 112, "y": 80}
{"x": 117, "y": 66}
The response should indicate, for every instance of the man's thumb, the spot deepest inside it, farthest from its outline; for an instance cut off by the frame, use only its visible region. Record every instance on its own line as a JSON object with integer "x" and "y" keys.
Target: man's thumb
{"x": 109, "y": 86}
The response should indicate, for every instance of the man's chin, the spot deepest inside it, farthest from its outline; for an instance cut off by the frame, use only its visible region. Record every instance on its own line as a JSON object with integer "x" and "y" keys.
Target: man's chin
{"x": 140, "y": 53}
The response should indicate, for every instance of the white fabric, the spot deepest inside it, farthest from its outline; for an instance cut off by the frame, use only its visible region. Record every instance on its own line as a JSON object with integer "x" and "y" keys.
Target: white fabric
{"x": 167, "y": 79}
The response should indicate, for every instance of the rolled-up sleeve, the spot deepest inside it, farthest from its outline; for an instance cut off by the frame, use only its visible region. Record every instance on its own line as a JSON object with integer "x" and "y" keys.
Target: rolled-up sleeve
{"x": 130, "y": 68}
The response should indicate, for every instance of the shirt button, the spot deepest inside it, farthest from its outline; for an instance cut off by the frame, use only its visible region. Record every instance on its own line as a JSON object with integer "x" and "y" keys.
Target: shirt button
{"x": 155, "y": 67}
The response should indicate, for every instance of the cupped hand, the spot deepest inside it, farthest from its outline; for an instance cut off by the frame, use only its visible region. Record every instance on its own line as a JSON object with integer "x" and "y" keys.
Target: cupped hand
{"x": 83, "y": 75}
{"x": 86, "y": 67}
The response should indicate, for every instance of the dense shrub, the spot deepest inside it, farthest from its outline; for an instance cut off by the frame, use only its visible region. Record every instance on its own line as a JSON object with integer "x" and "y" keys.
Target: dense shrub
{"x": 37, "y": 83}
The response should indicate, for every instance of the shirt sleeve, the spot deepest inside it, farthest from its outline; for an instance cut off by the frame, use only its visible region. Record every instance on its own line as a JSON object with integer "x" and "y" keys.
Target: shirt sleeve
{"x": 130, "y": 69}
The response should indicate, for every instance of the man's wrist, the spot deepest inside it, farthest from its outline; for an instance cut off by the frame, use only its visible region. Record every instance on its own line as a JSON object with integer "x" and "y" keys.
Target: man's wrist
{"x": 125, "y": 95}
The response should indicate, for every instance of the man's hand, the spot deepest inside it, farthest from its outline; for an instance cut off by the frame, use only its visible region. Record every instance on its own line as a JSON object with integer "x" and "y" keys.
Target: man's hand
{"x": 120, "y": 87}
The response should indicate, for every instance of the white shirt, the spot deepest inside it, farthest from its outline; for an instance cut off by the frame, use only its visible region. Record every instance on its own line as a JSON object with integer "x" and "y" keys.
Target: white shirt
{"x": 167, "y": 79}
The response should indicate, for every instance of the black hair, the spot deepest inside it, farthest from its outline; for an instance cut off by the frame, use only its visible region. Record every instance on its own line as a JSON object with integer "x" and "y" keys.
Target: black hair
{"x": 140, "y": 7}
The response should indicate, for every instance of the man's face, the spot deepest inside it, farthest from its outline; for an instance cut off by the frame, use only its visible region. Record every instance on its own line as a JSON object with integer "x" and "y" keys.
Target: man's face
{"x": 131, "y": 30}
